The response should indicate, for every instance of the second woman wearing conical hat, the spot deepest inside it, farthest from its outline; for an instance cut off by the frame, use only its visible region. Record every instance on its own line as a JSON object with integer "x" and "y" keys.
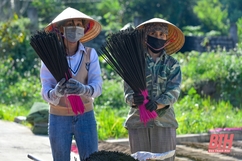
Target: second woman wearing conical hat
{"x": 163, "y": 79}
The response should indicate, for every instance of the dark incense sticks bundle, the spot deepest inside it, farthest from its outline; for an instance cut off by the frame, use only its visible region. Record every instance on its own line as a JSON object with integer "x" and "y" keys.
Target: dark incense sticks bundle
{"x": 123, "y": 51}
{"x": 50, "y": 48}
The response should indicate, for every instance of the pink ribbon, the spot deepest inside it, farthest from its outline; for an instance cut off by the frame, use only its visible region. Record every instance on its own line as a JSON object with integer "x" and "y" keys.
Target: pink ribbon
{"x": 76, "y": 102}
{"x": 146, "y": 115}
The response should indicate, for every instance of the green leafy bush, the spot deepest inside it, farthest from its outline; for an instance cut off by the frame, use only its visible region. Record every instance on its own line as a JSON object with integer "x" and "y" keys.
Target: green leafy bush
{"x": 215, "y": 74}
{"x": 19, "y": 65}
{"x": 9, "y": 112}
{"x": 198, "y": 115}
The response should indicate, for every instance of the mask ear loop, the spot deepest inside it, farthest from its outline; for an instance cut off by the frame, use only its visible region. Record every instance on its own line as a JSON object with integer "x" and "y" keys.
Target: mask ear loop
{"x": 167, "y": 43}
{"x": 155, "y": 49}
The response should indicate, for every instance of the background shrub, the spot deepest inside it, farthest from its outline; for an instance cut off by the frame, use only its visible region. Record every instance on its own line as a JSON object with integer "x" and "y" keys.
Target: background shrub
{"x": 214, "y": 74}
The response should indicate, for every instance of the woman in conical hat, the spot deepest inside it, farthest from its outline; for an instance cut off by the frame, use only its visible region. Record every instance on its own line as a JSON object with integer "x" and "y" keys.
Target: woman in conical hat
{"x": 92, "y": 27}
{"x": 163, "y": 79}
{"x": 75, "y": 28}
{"x": 174, "y": 37}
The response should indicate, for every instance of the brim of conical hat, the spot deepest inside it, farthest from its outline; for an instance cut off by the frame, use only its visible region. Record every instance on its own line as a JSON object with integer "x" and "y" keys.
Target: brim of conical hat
{"x": 175, "y": 35}
{"x": 94, "y": 27}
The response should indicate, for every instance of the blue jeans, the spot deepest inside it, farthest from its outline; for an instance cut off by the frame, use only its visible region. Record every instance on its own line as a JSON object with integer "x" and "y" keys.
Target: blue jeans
{"x": 62, "y": 129}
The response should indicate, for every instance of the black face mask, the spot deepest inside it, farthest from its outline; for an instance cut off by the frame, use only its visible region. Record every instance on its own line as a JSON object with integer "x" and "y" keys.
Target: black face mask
{"x": 155, "y": 44}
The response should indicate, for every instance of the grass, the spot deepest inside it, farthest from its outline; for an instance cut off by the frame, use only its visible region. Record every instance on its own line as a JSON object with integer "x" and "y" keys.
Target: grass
{"x": 10, "y": 112}
{"x": 110, "y": 122}
{"x": 198, "y": 115}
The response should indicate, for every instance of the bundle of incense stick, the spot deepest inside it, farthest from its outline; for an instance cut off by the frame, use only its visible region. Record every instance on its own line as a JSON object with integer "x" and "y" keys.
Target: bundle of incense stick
{"x": 124, "y": 52}
{"x": 50, "y": 49}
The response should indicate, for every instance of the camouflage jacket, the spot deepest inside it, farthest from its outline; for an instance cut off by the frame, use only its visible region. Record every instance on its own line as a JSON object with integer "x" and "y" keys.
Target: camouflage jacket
{"x": 163, "y": 79}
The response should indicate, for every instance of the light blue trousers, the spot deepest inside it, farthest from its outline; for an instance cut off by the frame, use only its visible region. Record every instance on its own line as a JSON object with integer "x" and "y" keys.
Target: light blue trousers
{"x": 62, "y": 129}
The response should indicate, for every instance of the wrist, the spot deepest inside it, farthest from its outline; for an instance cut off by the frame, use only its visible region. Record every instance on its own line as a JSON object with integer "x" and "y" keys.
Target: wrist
{"x": 161, "y": 106}
{"x": 53, "y": 98}
{"x": 89, "y": 90}
{"x": 52, "y": 94}
{"x": 157, "y": 105}
{"x": 129, "y": 100}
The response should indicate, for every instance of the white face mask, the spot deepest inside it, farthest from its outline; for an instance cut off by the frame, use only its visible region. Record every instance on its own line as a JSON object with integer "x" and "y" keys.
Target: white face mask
{"x": 73, "y": 33}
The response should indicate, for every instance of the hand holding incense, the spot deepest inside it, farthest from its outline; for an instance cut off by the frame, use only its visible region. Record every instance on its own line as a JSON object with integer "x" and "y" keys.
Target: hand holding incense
{"x": 74, "y": 87}
{"x": 146, "y": 115}
{"x": 50, "y": 49}
{"x": 151, "y": 105}
{"x": 138, "y": 99}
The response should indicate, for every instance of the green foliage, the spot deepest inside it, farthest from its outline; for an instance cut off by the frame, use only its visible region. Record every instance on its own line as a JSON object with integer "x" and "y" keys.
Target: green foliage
{"x": 107, "y": 12}
{"x": 18, "y": 87}
{"x": 198, "y": 115}
{"x": 26, "y": 93}
{"x": 47, "y": 10}
{"x": 192, "y": 31}
{"x": 221, "y": 68}
{"x": 19, "y": 64}
{"x": 111, "y": 12}
{"x": 110, "y": 122}
{"x": 212, "y": 15}
{"x": 239, "y": 27}
{"x": 12, "y": 34}
{"x": 174, "y": 11}
{"x": 234, "y": 9}
{"x": 107, "y": 71}
{"x": 197, "y": 31}
{"x": 9, "y": 112}
{"x": 112, "y": 94}
{"x": 14, "y": 44}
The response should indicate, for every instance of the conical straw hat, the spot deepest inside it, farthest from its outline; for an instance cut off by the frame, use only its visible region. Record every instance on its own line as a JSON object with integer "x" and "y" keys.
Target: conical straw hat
{"x": 175, "y": 35}
{"x": 94, "y": 27}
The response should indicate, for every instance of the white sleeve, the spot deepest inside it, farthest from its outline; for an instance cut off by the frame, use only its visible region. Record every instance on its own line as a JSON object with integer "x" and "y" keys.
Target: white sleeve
{"x": 94, "y": 74}
{"x": 48, "y": 82}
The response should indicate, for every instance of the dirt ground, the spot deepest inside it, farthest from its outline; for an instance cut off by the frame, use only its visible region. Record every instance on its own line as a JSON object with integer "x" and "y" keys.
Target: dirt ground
{"x": 188, "y": 151}
{"x": 113, "y": 147}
